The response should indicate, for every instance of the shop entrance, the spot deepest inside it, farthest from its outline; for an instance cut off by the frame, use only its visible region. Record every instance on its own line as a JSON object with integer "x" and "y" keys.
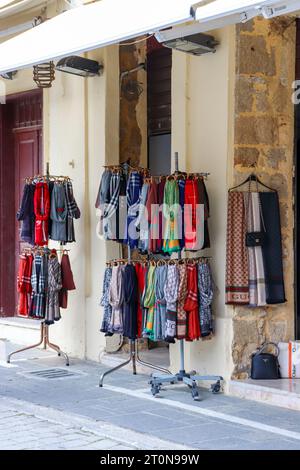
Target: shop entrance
{"x": 20, "y": 156}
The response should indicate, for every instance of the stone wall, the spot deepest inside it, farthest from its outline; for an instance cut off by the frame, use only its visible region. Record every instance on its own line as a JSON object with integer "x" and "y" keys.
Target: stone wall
{"x": 263, "y": 142}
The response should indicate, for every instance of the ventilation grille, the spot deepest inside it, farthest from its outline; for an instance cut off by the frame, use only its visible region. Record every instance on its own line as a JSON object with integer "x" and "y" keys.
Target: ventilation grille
{"x": 51, "y": 374}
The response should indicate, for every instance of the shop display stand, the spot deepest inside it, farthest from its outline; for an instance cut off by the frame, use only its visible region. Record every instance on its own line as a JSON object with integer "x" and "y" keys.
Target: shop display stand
{"x": 44, "y": 333}
{"x": 182, "y": 376}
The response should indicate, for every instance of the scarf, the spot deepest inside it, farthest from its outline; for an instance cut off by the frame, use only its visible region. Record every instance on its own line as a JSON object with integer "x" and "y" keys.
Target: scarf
{"x": 67, "y": 280}
{"x": 26, "y": 214}
{"x": 171, "y": 295}
{"x": 59, "y": 213}
{"x": 237, "y": 273}
{"x": 149, "y": 301}
{"x": 205, "y": 288}
{"x": 39, "y": 279}
{"x": 54, "y": 285}
{"x": 104, "y": 302}
{"x": 108, "y": 217}
{"x": 140, "y": 272}
{"x": 161, "y": 221}
{"x": 41, "y": 203}
{"x": 160, "y": 306}
{"x": 182, "y": 293}
{"x": 142, "y": 221}
{"x": 181, "y": 186}
{"x": 192, "y": 229}
{"x": 260, "y": 274}
{"x": 103, "y": 195}
{"x": 130, "y": 302}
{"x": 251, "y": 252}
{"x": 153, "y": 216}
{"x": 134, "y": 186}
{"x": 116, "y": 299}
{"x": 171, "y": 210}
{"x": 73, "y": 212}
{"x": 203, "y": 199}
{"x": 24, "y": 284}
{"x": 191, "y": 304}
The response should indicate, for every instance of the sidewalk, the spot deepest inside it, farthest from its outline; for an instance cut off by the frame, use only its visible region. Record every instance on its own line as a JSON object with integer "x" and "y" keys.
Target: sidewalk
{"x": 73, "y": 412}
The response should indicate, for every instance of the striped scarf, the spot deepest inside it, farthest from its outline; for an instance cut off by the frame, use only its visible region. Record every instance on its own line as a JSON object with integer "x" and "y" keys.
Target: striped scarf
{"x": 104, "y": 302}
{"x": 160, "y": 307}
{"x": 205, "y": 288}
{"x": 171, "y": 210}
{"x": 171, "y": 295}
{"x": 134, "y": 186}
{"x": 54, "y": 286}
{"x": 109, "y": 222}
{"x": 149, "y": 302}
{"x": 182, "y": 293}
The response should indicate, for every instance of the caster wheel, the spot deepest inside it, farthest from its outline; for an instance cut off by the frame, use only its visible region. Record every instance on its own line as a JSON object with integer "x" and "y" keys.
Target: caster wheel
{"x": 155, "y": 390}
{"x": 195, "y": 394}
{"x": 216, "y": 388}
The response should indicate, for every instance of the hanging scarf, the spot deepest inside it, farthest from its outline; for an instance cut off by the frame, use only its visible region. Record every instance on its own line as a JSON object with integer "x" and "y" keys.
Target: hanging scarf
{"x": 104, "y": 302}
{"x": 237, "y": 273}
{"x": 134, "y": 186}
{"x": 108, "y": 218}
{"x": 260, "y": 274}
{"x": 182, "y": 293}
{"x": 24, "y": 284}
{"x": 39, "y": 286}
{"x": 160, "y": 307}
{"x": 160, "y": 197}
{"x": 251, "y": 252}
{"x": 103, "y": 195}
{"x": 67, "y": 280}
{"x": 203, "y": 199}
{"x": 153, "y": 216}
{"x": 191, "y": 229}
{"x": 149, "y": 301}
{"x": 59, "y": 213}
{"x": 171, "y": 209}
{"x": 205, "y": 288}
{"x": 54, "y": 286}
{"x": 26, "y": 214}
{"x": 73, "y": 211}
{"x": 171, "y": 295}
{"x": 142, "y": 222}
{"x": 181, "y": 187}
{"x": 140, "y": 273}
{"x": 130, "y": 302}
{"x": 41, "y": 202}
{"x": 116, "y": 300}
{"x": 191, "y": 304}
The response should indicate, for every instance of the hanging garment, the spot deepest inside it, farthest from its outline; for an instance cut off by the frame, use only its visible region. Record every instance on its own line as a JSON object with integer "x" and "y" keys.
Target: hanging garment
{"x": 140, "y": 273}
{"x": 203, "y": 199}
{"x": 67, "y": 280}
{"x": 59, "y": 213}
{"x": 39, "y": 279}
{"x": 54, "y": 286}
{"x": 109, "y": 216}
{"x": 205, "y": 290}
{"x": 171, "y": 296}
{"x": 121, "y": 212}
{"x": 104, "y": 302}
{"x": 251, "y": 253}
{"x": 116, "y": 300}
{"x": 24, "y": 284}
{"x": 160, "y": 198}
{"x": 103, "y": 195}
{"x": 191, "y": 305}
{"x": 26, "y": 214}
{"x": 272, "y": 250}
{"x": 134, "y": 186}
{"x": 142, "y": 223}
{"x": 182, "y": 293}
{"x": 181, "y": 187}
{"x": 73, "y": 212}
{"x": 130, "y": 302}
{"x": 171, "y": 210}
{"x": 237, "y": 273}
{"x": 149, "y": 302}
{"x": 153, "y": 216}
{"x": 160, "y": 307}
{"x": 42, "y": 212}
{"x": 191, "y": 201}
{"x": 260, "y": 273}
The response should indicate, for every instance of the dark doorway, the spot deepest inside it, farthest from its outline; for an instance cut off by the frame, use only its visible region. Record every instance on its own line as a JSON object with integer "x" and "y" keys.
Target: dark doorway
{"x": 159, "y": 70}
{"x": 20, "y": 156}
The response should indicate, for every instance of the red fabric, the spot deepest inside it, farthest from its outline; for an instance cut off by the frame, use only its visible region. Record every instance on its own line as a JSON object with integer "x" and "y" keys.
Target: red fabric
{"x": 67, "y": 280}
{"x": 191, "y": 305}
{"x": 140, "y": 272}
{"x": 24, "y": 284}
{"x": 42, "y": 212}
{"x": 191, "y": 197}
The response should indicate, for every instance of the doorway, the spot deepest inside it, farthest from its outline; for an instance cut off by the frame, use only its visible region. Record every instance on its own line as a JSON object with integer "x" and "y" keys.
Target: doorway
{"x": 21, "y": 153}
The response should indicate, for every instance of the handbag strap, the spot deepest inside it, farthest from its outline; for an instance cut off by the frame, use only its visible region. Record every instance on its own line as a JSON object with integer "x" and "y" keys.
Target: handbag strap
{"x": 263, "y": 347}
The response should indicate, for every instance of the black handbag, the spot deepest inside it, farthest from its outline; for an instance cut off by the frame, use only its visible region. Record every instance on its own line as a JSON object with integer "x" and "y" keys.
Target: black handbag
{"x": 265, "y": 366}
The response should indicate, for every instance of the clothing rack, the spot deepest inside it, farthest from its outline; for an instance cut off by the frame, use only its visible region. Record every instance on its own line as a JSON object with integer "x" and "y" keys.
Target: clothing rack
{"x": 44, "y": 338}
{"x": 188, "y": 379}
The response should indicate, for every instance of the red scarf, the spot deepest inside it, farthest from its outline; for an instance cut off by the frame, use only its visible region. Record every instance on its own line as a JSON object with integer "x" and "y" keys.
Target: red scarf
{"x": 140, "y": 272}
{"x": 42, "y": 212}
{"x": 24, "y": 284}
{"x": 191, "y": 198}
{"x": 191, "y": 304}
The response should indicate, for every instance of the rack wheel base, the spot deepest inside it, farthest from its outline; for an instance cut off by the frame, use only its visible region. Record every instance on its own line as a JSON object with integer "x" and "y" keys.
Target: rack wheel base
{"x": 216, "y": 388}
{"x": 195, "y": 394}
{"x": 155, "y": 389}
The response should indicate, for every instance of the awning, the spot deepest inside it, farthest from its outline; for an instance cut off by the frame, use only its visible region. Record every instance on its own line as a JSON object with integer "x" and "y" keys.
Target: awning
{"x": 89, "y": 27}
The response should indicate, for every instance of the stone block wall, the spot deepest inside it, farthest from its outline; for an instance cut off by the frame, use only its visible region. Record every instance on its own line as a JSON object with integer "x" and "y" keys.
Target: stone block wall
{"x": 264, "y": 143}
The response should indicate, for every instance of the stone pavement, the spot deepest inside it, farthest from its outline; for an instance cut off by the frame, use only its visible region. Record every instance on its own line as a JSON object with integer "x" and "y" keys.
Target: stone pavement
{"x": 74, "y": 411}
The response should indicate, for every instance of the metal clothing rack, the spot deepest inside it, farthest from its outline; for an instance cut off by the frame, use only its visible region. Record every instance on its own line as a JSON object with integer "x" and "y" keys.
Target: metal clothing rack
{"x": 44, "y": 339}
{"x": 188, "y": 379}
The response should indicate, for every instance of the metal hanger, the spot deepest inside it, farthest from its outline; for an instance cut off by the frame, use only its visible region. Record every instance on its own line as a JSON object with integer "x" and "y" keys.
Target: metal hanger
{"x": 252, "y": 177}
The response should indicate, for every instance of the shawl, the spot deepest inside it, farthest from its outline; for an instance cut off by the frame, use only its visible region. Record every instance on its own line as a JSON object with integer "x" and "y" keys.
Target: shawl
{"x": 72, "y": 210}
{"x": 67, "y": 280}
{"x": 103, "y": 195}
{"x": 181, "y": 186}
{"x": 108, "y": 217}
{"x": 149, "y": 301}
{"x": 203, "y": 199}
{"x": 134, "y": 186}
{"x": 59, "y": 213}
{"x": 171, "y": 295}
{"x": 26, "y": 214}
{"x": 130, "y": 302}
{"x": 24, "y": 284}
{"x": 142, "y": 221}
{"x": 260, "y": 274}
{"x": 191, "y": 304}
{"x": 160, "y": 198}
{"x": 205, "y": 288}
{"x": 39, "y": 279}
{"x": 171, "y": 209}
{"x": 182, "y": 293}
{"x": 41, "y": 203}
{"x": 192, "y": 230}
{"x": 54, "y": 285}
{"x": 121, "y": 212}
{"x": 153, "y": 216}
{"x": 116, "y": 299}
{"x": 140, "y": 272}
{"x": 251, "y": 252}
{"x": 160, "y": 306}
{"x": 104, "y": 302}
{"x": 237, "y": 274}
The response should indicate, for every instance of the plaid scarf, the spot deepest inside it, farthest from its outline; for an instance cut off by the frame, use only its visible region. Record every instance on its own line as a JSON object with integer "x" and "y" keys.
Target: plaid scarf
{"x": 108, "y": 219}
{"x": 24, "y": 284}
{"x": 104, "y": 302}
{"x": 171, "y": 210}
{"x": 72, "y": 210}
{"x": 142, "y": 222}
{"x": 160, "y": 306}
{"x": 134, "y": 186}
{"x": 191, "y": 304}
{"x": 149, "y": 302}
{"x": 39, "y": 286}
{"x": 171, "y": 296}
{"x": 42, "y": 212}
{"x": 182, "y": 293}
{"x": 205, "y": 288}
{"x": 103, "y": 195}
{"x": 59, "y": 213}
{"x": 116, "y": 300}
{"x": 54, "y": 285}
